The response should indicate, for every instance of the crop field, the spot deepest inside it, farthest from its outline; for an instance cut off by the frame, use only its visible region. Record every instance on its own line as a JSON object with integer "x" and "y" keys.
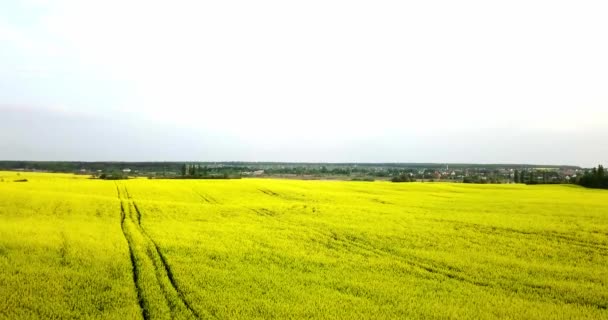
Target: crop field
{"x": 73, "y": 247}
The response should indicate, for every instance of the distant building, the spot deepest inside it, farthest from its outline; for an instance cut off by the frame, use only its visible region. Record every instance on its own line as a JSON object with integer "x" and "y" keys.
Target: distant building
{"x": 126, "y": 170}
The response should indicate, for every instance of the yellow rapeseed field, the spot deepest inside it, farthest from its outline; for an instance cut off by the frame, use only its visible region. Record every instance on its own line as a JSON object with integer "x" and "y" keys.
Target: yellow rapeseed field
{"x": 72, "y": 247}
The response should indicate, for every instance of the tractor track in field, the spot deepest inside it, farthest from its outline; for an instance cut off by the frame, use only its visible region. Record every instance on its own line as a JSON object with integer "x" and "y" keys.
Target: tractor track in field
{"x": 165, "y": 265}
{"x": 269, "y": 192}
{"x": 206, "y": 198}
{"x": 555, "y": 237}
{"x": 460, "y": 275}
{"x": 430, "y": 267}
{"x": 162, "y": 270}
{"x": 134, "y": 270}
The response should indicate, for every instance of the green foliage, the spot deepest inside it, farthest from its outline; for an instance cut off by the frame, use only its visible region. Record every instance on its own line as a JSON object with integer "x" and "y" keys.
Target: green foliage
{"x": 403, "y": 178}
{"x": 596, "y": 178}
{"x": 113, "y": 176}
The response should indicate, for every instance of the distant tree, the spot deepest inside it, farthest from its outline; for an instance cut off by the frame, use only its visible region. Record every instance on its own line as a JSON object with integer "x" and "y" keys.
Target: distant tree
{"x": 403, "y": 178}
{"x": 596, "y": 178}
{"x": 184, "y": 169}
{"x": 516, "y": 176}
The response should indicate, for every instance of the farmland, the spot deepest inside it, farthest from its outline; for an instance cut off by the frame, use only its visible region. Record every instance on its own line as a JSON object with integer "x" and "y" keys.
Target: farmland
{"x": 265, "y": 248}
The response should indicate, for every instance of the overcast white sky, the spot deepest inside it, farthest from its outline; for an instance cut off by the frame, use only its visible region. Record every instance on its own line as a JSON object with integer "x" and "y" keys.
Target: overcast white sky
{"x": 336, "y": 81}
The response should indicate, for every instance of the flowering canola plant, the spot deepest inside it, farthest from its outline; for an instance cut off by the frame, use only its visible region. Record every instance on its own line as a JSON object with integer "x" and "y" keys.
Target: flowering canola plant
{"x": 72, "y": 247}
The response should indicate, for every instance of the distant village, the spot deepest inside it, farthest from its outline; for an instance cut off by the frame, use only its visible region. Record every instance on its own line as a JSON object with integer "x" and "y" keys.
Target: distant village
{"x": 396, "y": 172}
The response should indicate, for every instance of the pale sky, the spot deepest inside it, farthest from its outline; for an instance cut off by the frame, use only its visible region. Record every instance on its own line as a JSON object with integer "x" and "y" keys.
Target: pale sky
{"x": 327, "y": 81}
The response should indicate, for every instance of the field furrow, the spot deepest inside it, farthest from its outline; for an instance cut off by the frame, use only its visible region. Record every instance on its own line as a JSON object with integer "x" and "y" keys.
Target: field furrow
{"x": 160, "y": 298}
{"x": 132, "y": 257}
{"x": 166, "y": 268}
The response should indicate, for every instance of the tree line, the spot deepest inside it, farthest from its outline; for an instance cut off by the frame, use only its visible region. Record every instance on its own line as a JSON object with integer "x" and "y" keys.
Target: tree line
{"x": 595, "y": 178}
{"x": 196, "y": 171}
{"x": 538, "y": 177}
